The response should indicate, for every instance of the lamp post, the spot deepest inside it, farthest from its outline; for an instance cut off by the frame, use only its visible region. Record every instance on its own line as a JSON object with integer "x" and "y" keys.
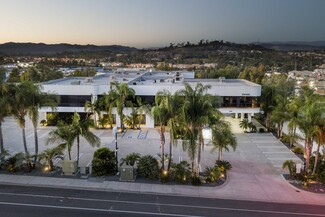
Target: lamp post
{"x": 116, "y": 148}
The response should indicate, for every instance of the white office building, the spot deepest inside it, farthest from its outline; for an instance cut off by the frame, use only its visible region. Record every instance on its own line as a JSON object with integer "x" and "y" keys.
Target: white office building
{"x": 238, "y": 96}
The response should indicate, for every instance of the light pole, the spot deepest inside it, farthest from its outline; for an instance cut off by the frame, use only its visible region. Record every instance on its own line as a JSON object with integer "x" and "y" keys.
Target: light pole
{"x": 116, "y": 148}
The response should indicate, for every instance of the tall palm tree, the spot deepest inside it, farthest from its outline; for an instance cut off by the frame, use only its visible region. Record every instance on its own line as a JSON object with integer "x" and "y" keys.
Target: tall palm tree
{"x": 39, "y": 100}
{"x": 293, "y": 115}
{"x": 81, "y": 128}
{"x": 4, "y": 111}
{"x": 21, "y": 100}
{"x": 310, "y": 115}
{"x": 320, "y": 140}
{"x": 119, "y": 94}
{"x": 160, "y": 114}
{"x": 222, "y": 138}
{"x": 279, "y": 115}
{"x": 197, "y": 109}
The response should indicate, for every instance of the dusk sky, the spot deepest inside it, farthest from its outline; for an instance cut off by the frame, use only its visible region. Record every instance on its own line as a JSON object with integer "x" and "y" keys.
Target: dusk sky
{"x": 152, "y": 23}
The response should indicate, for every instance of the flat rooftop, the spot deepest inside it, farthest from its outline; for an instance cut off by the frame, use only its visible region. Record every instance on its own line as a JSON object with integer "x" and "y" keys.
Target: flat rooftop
{"x": 159, "y": 78}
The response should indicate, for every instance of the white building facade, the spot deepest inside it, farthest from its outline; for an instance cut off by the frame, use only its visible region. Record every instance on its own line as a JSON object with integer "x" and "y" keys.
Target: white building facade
{"x": 238, "y": 96}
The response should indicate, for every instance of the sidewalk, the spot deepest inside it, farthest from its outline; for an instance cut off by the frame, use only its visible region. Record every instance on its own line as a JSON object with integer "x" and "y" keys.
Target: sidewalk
{"x": 232, "y": 189}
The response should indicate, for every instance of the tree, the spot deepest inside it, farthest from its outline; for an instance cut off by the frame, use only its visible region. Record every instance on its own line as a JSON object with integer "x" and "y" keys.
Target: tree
{"x": 4, "y": 111}
{"x": 39, "y": 100}
{"x": 119, "y": 94}
{"x": 311, "y": 113}
{"x": 81, "y": 128}
{"x": 279, "y": 115}
{"x": 64, "y": 135}
{"x": 291, "y": 166}
{"x": 93, "y": 108}
{"x": 21, "y": 101}
{"x": 244, "y": 124}
{"x": 103, "y": 162}
{"x": 197, "y": 109}
{"x": 51, "y": 154}
{"x": 223, "y": 138}
{"x": 319, "y": 137}
{"x": 14, "y": 76}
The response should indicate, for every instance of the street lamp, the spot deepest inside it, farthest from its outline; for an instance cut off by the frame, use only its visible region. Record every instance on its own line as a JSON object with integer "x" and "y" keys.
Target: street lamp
{"x": 116, "y": 156}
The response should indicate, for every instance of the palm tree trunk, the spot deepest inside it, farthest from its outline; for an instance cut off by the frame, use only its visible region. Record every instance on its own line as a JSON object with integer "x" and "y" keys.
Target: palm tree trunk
{"x": 219, "y": 153}
{"x": 24, "y": 140}
{"x": 308, "y": 154}
{"x": 200, "y": 140}
{"x": 162, "y": 146}
{"x": 1, "y": 139}
{"x": 36, "y": 144}
{"x": 170, "y": 152}
{"x": 78, "y": 150}
{"x": 316, "y": 159}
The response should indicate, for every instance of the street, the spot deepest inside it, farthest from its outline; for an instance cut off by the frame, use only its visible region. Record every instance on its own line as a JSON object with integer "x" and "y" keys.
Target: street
{"x": 33, "y": 201}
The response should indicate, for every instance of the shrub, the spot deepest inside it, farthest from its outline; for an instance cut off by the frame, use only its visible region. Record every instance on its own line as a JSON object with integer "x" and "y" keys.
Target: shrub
{"x": 196, "y": 181}
{"x": 181, "y": 172}
{"x": 212, "y": 174}
{"x": 148, "y": 167}
{"x": 103, "y": 162}
{"x": 164, "y": 176}
{"x": 130, "y": 159}
{"x": 43, "y": 122}
{"x": 298, "y": 150}
{"x": 14, "y": 163}
{"x": 223, "y": 165}
{"x": 291, "y": 166}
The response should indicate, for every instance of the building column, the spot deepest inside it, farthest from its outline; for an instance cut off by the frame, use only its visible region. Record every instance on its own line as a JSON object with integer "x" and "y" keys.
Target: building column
{"x": 249, "y": 117}
{"x": 236, "y": 115}
{"x": 242, "y": 115}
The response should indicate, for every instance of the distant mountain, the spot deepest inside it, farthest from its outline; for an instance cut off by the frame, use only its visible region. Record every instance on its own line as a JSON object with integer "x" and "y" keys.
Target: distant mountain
{"x": 13, "y": 48}
{"x": 294, "y": 45}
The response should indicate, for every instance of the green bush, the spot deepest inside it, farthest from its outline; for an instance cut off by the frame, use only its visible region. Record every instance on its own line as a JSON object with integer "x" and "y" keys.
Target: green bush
{"x": 103, "y": 162}
{"x": 130, "y": 159}
{"x": 15, "y": 162}
{"x": 196, "y": 181}
{"x": 291, "y": 166}
{"x": 298, "y": 150}
{"x": 148, "y": 167}
{"x": 212, "y": 174}
{"x": 223, "y": 165}
{"x": 181, "y": 172}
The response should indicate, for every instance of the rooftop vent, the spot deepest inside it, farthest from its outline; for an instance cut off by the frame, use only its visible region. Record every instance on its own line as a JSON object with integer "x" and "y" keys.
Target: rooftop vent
{"x": 89, "y": 80}
{"x": 222, "y": 79}
{"x": 75, "y": 82}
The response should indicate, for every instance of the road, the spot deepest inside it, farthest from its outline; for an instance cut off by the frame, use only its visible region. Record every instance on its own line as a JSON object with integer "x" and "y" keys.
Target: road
{"x": 17, "y": 201}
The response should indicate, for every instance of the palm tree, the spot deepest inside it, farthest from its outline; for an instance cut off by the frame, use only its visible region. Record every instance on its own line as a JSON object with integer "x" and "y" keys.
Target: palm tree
{"x": 311, "y": 113}
{"x": 223, "y": 138}
{"x": 21, "y": 100}
{"x": 4, "y": 111}
{"x": 82, "y": 129}
{"x": 92, "y": 107}
{"x": 65, "y": 135}
{"x": 244, "y": 124}
{"x": 320, "y": 140}
{"x": 119, "y": 94}
{"x": 161, "y": 114}
{"x": 279, "y": 115}
{"x": 51, "y": 154}
{"x": 39, "y": 100}
{"x": 290, "y": 165}
{"x": 197, "y": 109}
{"x": 293, "y": 113}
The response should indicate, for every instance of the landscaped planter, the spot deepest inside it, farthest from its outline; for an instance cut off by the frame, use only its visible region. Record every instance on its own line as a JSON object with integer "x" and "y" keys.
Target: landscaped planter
{"x": 69, "y": 167}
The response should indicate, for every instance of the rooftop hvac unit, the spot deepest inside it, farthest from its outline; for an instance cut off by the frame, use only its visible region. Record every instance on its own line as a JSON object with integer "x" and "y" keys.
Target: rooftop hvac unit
{"x": 75, "y": 82}
{"x": 89, "y": 80}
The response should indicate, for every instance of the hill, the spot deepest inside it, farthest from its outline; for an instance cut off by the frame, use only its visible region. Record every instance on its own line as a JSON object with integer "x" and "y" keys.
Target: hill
{"x": 12, "y": 48}
{"x": 294, "y": 46}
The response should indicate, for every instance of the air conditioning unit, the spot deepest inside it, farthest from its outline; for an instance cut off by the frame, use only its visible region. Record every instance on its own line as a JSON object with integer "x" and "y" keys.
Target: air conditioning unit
{"x": 69, "y": 167}
{"x": 127, "y": 173}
